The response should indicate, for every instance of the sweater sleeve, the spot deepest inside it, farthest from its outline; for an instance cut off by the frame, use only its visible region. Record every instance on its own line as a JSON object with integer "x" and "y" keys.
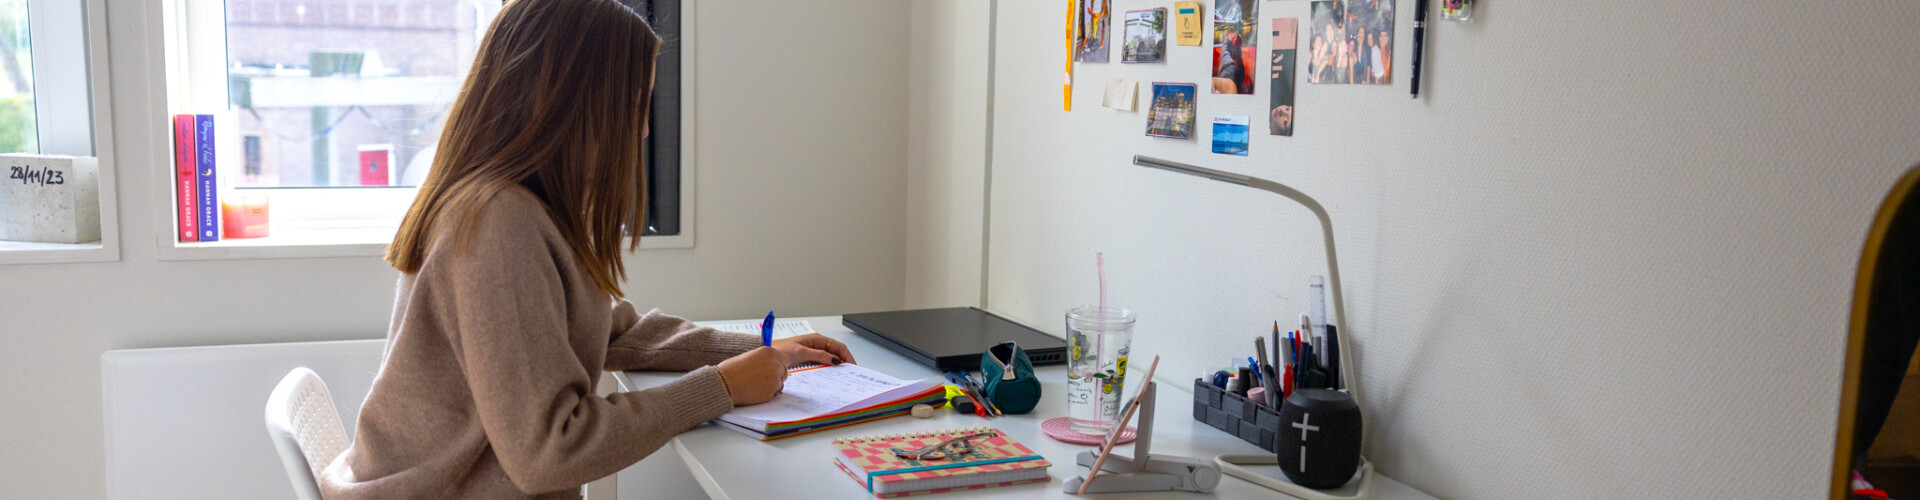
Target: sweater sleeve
{"x": 503, "y": 303}
{"x": 658, "y": 341}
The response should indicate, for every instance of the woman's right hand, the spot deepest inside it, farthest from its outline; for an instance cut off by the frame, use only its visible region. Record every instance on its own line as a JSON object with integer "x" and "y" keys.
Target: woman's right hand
{"x": 755, "y": 376}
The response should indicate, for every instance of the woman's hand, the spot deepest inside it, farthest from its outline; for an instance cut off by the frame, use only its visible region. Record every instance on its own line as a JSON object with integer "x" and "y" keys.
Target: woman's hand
{"x": 813, "y": 348}
{"x": 754, "y": 376}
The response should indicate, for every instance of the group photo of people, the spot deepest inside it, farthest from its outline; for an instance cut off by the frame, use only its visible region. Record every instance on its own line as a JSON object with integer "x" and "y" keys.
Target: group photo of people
{"x": 1352, "y": 42}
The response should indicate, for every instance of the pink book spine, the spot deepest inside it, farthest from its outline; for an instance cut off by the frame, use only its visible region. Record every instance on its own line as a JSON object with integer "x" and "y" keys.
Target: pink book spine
{"x": 185, "y": 178}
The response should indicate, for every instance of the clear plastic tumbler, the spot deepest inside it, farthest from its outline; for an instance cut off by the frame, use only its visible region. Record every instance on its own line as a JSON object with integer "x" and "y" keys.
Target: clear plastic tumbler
{"x": 1097, "y": 346}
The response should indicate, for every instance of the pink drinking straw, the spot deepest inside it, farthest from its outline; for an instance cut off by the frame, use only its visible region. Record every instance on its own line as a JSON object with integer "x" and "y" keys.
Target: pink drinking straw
{"x": 1100, "y": 346}
{"x": 1100, "y": 265}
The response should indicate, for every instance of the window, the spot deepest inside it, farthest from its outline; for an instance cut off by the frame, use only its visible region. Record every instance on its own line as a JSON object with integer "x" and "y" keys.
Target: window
{"x": 663, "y": 121}
{"x": 327, "y": 92}
{"x": 47, "y": 95}
{"x": 336, "y": 106}
{"x": 17, "y": 131}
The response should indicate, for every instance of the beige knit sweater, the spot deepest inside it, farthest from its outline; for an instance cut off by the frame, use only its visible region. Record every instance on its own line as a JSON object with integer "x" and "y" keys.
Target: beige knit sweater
{"x": 487, "y": 387}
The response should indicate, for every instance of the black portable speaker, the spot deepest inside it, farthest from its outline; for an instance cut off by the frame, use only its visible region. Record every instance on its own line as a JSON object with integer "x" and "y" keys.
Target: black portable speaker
{"x": 1319, "y": 438}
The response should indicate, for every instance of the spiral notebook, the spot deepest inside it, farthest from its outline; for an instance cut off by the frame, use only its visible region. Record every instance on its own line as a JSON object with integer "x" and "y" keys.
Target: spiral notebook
{"x": 822, "y": 397}
{"x": 994, "y": 461}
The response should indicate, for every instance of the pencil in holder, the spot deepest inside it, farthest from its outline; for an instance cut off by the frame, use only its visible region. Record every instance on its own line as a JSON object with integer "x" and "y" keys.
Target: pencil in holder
{"x": 1236, "y": 415}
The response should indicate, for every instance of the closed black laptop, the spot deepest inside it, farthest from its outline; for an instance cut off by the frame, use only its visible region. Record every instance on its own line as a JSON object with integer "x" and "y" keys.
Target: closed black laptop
{"x": 953, "y": 338}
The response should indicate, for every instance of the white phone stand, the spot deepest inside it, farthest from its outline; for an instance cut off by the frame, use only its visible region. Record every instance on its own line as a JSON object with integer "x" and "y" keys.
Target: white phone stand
{"x": 1144, "y": 471}
{"x": 1353, "y": 490}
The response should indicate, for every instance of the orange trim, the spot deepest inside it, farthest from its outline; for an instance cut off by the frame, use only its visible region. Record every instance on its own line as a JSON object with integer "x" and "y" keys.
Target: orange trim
{"x": 908, "y": 399}
{"x": 1857, "y": 331}
{"x": 834, "y": 426}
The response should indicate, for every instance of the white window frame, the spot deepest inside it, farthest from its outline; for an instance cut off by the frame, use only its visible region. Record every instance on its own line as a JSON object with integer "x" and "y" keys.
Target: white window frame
{"x": 194, "y": 32}
{"x": 72, "y": 109}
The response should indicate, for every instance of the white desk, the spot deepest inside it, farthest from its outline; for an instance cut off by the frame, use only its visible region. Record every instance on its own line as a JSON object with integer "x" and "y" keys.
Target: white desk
{"x": 731, "y": 465}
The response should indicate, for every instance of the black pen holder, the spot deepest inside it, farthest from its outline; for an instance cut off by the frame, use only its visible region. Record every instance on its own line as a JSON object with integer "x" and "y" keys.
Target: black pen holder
{"x": 1252, "y": 422}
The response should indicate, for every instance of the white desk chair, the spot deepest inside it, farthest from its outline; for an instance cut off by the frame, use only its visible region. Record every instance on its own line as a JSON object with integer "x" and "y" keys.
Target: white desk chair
{"x": 305, "y": 428}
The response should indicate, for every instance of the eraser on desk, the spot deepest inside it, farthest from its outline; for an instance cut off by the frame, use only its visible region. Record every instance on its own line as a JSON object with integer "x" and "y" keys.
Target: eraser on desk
{"x": 963, "y": 404}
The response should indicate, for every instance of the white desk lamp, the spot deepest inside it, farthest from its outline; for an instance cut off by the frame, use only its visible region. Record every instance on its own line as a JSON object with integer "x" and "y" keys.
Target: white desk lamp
{"x": 1349, "y": 384}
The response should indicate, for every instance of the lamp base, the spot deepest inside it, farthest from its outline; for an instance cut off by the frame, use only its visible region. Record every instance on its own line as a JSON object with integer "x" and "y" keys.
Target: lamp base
{"x": 1356, "y": 489}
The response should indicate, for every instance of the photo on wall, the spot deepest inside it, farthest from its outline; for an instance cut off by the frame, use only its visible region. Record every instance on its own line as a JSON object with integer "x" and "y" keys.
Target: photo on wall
{"x": 1230, "y": 135}
{"x": 1172, "y": 113}
{"x": 1091, "y": 30}
{"x": 1233, "y": 45}
{"x": 1352, "y": 42}
{"x": 1146, "y": 36}
{"x": 1286, "y": 42}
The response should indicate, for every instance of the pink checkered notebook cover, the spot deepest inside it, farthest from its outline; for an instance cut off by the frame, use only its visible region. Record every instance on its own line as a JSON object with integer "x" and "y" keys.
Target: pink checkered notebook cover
{"x": 996, "y": 461}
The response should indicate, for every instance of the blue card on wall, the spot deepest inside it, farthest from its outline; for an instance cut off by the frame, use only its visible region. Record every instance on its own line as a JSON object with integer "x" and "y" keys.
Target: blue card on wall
{"x": 1230, "y": 135}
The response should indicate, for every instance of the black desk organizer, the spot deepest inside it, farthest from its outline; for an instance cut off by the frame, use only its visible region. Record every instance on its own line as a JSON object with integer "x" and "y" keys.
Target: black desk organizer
{"x": 1252, "y": 422}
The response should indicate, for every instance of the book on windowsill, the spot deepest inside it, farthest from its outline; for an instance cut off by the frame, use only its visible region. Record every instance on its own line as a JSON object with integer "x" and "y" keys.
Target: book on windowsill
{"x": 207, "y": 193}
{"x": 993, "y": 461}
{"x": 186, "y": 178}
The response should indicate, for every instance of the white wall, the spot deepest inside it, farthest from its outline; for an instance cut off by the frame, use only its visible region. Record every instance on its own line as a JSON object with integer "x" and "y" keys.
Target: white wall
{"x": 1606, "y": 255}
{"x": 946, "y": 152}
{"x": 802, "y": 153}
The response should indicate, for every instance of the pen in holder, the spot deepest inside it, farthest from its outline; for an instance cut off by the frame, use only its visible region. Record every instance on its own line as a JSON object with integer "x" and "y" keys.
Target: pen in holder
{"x": 1344, "y": 379}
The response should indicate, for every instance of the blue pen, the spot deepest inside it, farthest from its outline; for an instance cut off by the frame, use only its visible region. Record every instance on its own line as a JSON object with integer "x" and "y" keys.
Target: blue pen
{"x": 766, "y": 331}
{"x": 1256, "y": 370}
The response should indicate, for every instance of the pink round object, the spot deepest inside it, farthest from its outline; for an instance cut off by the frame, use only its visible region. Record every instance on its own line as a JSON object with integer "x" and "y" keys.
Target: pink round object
{"x": 1058, "y": 429}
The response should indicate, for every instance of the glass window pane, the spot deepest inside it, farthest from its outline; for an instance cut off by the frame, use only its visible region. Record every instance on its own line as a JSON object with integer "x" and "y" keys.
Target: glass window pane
{"x": 346, "y": 93}
{"x": 17, "y": 131}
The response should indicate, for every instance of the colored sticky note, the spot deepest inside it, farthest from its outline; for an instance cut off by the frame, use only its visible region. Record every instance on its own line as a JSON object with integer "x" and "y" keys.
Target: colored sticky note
{"x": 1188, "y": 22}
{"x": 1121, "y": 94}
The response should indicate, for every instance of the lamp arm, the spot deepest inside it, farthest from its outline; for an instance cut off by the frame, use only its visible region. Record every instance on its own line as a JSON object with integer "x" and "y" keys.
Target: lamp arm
{"x": 1326, "y": 233}
{"x": 1333, "y": 274}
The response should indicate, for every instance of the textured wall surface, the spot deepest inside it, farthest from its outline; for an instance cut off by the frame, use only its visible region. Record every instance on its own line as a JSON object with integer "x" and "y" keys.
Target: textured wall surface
{"x": 801, "y": 163}
{"x": 1606, "y": 255}
{"x": 946, "y": 152}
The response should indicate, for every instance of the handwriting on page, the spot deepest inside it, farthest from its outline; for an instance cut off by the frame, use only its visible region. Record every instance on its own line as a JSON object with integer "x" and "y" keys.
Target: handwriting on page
{"x": 821, "y": 391}
{"x": 781, "y": 329}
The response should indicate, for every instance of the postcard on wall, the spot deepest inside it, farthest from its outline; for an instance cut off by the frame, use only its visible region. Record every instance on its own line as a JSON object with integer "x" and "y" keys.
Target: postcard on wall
{"x": 1187, "y": 18}
{"x": 1092, "y": 21}
{"x": 1233, "y": 45}
{"x": 1230, "y": 135}
{"x": 1120, "y": 94}
{"x": 1146, "y": 36}
{"x": 1352, "y": 42}
{"x": 1172, "y": 112}
{"x": 1286, "y": 40}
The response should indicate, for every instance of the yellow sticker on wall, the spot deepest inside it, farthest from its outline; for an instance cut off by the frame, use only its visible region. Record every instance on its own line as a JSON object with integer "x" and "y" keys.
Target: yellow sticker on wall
{"x": 1188, "y": 22}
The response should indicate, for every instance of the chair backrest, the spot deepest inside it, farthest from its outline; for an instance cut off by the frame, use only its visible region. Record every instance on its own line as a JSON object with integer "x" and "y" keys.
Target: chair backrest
{"x": 183, "y": 422}
{"x": 305, "y": 428}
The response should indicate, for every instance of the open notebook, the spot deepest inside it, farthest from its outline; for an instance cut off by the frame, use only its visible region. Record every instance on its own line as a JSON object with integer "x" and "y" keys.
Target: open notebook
{"x": 822, "y": 397}
{"x": 995, "y": 461}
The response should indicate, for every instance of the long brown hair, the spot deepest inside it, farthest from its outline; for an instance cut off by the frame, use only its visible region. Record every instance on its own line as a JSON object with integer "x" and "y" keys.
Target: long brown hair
{"x": 555, "y": 102}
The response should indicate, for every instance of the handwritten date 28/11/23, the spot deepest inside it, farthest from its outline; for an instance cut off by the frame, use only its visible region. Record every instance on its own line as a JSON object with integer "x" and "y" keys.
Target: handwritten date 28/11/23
{"x": 42, "y": 177}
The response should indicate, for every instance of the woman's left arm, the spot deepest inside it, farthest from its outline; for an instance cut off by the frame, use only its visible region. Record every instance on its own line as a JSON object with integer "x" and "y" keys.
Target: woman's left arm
{"x": 657, "y": 341}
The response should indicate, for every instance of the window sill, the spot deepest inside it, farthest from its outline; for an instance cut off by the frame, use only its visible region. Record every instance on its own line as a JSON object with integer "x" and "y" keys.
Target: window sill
{"x": 325, "y": 243}
{"x": 287, "y": 244}
{"x": 21, "y": 252}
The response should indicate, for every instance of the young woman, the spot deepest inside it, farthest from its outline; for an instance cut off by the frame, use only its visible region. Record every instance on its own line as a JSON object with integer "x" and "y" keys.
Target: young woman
{"x": 509, "y": 303}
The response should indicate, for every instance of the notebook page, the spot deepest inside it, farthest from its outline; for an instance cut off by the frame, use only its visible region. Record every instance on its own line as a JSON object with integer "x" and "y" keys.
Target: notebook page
{"x": 820, "y": 391}
{"x": 781, "y": 328}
